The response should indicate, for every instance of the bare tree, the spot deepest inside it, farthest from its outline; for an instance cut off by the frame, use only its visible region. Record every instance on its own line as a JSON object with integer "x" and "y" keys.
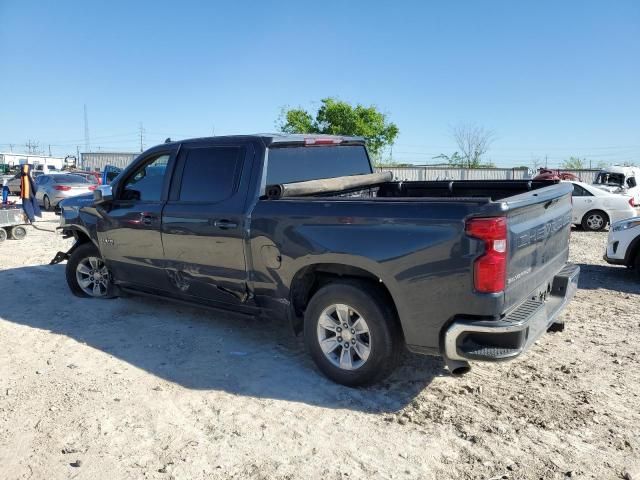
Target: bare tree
{"x": 473, "y": 142}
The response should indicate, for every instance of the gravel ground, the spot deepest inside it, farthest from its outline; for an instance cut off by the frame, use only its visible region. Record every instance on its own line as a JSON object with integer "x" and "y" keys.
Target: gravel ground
{"x": 136, "y": 388}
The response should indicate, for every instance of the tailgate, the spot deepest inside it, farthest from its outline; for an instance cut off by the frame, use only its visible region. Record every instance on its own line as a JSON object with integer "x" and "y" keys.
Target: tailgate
{"x": 539, "y": 224}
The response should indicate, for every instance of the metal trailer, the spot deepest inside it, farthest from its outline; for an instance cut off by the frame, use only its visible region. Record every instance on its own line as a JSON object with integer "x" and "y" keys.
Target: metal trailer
{"x": 12, "y": 222}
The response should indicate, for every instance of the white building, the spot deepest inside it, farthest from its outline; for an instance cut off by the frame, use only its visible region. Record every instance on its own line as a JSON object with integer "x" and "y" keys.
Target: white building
{"x": 13, "y": 159}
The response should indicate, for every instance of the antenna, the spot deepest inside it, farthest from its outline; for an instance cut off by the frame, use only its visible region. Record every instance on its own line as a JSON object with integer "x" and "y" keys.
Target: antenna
{"x": 87, "y": 143}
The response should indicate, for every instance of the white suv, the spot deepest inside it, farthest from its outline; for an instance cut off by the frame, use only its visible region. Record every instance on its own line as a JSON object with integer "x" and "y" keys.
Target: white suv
{"x": 623, "y": 244}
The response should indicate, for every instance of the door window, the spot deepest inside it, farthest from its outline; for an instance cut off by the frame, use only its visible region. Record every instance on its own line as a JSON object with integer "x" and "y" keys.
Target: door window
{"x": 210, "y": 174}
{"x": 578, "y": 191}
{"x": 146, "y": 183}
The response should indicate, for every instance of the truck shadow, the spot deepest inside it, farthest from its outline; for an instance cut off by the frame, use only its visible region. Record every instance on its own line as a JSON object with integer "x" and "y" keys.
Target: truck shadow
{"x": 609, "y": 277}
{"x": 200, "y": 349}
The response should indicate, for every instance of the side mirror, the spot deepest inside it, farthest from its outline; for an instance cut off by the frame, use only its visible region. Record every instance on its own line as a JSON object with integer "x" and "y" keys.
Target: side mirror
{"x": 102, "y": 194}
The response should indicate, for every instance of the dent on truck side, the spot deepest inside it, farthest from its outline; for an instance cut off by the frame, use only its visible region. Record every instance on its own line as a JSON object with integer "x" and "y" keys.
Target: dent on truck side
{"x": 420, "y": 253}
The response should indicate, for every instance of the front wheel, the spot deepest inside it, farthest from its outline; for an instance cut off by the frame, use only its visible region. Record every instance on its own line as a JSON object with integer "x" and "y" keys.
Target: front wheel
{"x": 46, "y": 203}
{"x": 352, "y": 334}
{"x": 87, "y": 275}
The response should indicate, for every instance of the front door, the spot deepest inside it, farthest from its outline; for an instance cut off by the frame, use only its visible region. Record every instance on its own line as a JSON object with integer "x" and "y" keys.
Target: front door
{"x": 129, "y": 232}
{"x": 203, "y": 229}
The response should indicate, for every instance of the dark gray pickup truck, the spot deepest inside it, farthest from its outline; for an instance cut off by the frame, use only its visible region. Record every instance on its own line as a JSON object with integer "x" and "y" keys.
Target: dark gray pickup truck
{"x": 300, "y": 227}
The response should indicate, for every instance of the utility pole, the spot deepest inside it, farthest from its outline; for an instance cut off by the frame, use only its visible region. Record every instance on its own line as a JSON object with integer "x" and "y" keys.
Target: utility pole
{"x": 141, "y": 137}
{"x": 49, "y": 150}
{"x": 11, "y": 147}
{"x": 546, "y": 161}
{"x": 87, "y": 145}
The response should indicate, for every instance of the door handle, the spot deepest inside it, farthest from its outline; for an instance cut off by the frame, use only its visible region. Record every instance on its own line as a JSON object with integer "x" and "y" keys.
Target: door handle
{"x": 147, "y": 219}
{"x": 225, "y": 224}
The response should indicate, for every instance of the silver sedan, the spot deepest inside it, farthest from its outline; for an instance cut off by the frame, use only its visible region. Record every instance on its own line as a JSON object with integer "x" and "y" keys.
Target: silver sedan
{"x": 51, "y": 189}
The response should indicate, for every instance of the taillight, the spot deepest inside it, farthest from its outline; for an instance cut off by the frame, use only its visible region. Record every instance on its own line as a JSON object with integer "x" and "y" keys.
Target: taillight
{"x": 92, "y": 187}
{"x": 490, "y": 269}
{"x": 64, "y": 188}
{"x": 632, "y": 202}
{"x": 322, "y": 141}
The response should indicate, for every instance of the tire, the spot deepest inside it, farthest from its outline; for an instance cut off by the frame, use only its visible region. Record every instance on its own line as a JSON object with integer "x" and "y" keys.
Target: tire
{"x": 595, "y": 221}
{"x": 18, "y": 233}
{"x": 383, "y": 338}
{"x": 86, "y": 265}
{"x": 636, "y": 264}
{"x": 3, "y": 235}
{"x": 46, "y": 203}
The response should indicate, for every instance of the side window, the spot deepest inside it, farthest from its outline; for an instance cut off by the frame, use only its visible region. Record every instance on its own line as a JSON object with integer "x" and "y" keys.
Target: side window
{"x": 578, "y": 191}
{"x": 631, "y": 182}
{"x": 145, "y": 185}
{"x": 210, "y": 174}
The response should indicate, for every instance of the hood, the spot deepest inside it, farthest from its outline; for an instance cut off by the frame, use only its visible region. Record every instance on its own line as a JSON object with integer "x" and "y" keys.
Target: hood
{"x": 77, "y": 201}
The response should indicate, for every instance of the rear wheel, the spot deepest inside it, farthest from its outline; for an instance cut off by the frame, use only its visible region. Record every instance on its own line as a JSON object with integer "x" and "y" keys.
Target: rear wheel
{"x": 46, "y": 203}
{"x": 636, "y": 263}
{"x": 352, "y": 334}
{"x": 595, "y": 220}
{"x": 18, "y": 232}
{"x": 87, "y": 275}
{"x": 3, "y": 234}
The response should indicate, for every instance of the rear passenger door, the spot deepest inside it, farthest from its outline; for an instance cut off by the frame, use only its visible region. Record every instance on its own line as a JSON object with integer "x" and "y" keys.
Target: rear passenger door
{"x": 203, "y": 223}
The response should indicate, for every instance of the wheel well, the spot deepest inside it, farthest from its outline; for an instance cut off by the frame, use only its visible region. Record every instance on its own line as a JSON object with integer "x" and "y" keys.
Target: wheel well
{"x": 634, "y": 252}
{"x": 80, "y": 236}
{"x": 310, "y": 279}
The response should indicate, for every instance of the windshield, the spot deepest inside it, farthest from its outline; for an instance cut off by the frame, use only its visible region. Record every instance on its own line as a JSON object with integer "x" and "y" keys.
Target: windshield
{"x": 605, "y": 178}
{"x": 69, "y": 179}
{"x": 298, "y": 164}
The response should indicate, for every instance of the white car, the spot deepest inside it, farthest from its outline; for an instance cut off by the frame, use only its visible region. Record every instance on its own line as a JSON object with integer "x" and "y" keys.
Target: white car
{"x": 623, "y": 244}
{"x": 594, "y": 208}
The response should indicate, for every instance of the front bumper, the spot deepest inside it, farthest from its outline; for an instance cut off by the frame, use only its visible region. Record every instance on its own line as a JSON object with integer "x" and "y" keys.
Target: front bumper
{"x": 613, "y": 261}
{"x": 504, "y": 339}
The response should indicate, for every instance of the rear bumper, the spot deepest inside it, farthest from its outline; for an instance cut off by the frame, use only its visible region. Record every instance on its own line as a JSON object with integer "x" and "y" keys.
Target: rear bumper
{"x": 504, "y": 339}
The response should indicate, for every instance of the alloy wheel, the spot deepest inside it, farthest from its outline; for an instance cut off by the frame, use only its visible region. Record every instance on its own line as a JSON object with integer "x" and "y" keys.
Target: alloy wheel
{"x": 344, "y": 337}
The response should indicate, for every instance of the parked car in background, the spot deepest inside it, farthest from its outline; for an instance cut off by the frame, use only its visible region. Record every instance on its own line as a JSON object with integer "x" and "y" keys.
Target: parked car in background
{"x": 623, "y": 244}
{"x": 109, "y": 174}
{"x": 41, "y": 169}
{"x": 93, "y": 177}
{"x": 594, "y": 208}
{"x": 51, "y": 189}
{"x": 547, "y": 174}
{"x": 617, "y": 179}
{"x": 14, "y": 184}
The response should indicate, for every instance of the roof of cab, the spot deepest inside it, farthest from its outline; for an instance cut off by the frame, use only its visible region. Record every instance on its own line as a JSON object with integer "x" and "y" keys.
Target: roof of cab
{"x": 275, "y": 138}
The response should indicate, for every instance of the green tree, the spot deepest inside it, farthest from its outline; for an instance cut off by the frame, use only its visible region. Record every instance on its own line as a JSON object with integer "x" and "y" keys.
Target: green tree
{"x": 336, "y": 117}
{"x": 573, "y": 163}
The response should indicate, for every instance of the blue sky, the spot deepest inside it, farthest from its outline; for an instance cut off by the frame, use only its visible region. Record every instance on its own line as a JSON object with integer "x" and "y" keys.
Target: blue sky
{"x": 549, "y": 78}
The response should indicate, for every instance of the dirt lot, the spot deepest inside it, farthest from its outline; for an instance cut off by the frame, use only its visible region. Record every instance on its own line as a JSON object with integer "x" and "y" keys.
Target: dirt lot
{"x": 134, "y": 388}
